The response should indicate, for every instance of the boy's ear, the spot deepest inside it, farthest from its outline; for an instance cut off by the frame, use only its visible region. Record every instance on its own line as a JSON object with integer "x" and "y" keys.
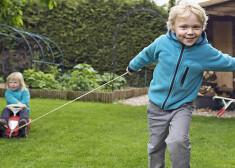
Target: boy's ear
{"x": 172, "y": 30}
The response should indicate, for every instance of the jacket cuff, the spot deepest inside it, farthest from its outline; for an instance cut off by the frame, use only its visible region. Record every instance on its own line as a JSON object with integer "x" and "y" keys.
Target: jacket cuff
{"x": 130, "y": 70}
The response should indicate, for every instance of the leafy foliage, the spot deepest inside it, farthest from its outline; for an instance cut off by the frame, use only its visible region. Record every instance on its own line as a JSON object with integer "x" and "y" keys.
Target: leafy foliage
{"x": 81, "y": 78}
{"x": 2, "y": 80}
{"x": 11, "y": 13}
{"x": 84, "y": 30}
{"x": 40, "y": 80}
{"x": 106, "y": 77}
{"x": 171, "y": 3}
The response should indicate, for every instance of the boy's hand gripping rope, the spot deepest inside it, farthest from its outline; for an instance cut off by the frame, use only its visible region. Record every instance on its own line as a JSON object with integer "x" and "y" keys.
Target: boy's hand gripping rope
{"x": 226, "y": 104}
{"x": 68, "y": 102}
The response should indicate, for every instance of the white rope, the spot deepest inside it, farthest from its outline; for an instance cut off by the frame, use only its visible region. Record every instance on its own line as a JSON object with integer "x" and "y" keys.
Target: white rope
{"x": 68, "y": 102}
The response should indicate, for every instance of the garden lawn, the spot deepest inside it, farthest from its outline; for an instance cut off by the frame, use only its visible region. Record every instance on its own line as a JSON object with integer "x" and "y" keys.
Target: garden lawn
{"x": 98, "y": 135}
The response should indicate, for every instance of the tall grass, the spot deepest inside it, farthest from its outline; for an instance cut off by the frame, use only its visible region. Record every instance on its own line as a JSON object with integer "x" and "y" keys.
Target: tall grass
{"x": 97, "y": 135}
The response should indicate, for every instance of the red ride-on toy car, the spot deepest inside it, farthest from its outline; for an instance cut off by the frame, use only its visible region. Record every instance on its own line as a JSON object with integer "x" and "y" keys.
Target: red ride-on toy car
{"x": 13, "y": 124}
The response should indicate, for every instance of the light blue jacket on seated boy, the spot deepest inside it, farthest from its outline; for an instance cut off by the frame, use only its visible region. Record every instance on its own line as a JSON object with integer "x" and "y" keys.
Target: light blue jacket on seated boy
{"x": 13, "y": 97}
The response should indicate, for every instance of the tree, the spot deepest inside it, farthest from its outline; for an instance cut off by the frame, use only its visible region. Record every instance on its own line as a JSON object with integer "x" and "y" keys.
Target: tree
{"x": 171, "y": 3}
{"x": 11, "y": 13}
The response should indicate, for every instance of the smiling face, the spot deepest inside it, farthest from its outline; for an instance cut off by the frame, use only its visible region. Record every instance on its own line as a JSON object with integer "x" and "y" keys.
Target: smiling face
{"x": 188, "y": 30}
{"x": 14, "y": 84}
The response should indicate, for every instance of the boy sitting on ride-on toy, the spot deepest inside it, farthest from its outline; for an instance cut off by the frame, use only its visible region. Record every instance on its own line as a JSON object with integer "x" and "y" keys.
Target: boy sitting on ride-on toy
{"x": 18, "y": 94}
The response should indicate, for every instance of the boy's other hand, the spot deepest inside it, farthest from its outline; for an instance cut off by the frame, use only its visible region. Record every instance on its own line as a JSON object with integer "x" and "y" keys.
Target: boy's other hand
{"x": 24, "y": 106}
{"x": 128, "y": 70}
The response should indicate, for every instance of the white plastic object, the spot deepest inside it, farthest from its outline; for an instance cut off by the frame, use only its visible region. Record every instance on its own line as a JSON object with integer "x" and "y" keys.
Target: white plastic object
{"x": 226, "y": 101}
{"x": 15, "y": 108}
{"x": 12, "y": 124}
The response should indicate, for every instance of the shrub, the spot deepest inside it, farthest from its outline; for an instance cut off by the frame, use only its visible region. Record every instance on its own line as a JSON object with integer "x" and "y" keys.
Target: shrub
{"x": 40, "y": 80}
{"x": 106, "y": 77}
{"x": 1, "y": 80}
{"x": 82, "y": 77}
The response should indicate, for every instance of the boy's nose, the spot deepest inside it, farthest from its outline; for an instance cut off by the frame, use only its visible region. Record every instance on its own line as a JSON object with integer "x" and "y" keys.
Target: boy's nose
{"x": 190, "y": 31}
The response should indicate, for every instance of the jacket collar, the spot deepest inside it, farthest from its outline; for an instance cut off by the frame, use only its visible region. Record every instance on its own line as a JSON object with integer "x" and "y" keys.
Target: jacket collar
{"x": 200, "y": 41}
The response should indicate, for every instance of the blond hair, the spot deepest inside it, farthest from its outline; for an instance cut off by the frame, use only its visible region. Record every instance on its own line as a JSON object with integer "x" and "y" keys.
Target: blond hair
{"x": 184, "y": 9}
{"x": 16, "y": 76}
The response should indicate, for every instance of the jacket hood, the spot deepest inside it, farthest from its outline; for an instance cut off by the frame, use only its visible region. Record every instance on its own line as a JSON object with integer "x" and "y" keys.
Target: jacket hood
{"x": 202, "y": 40}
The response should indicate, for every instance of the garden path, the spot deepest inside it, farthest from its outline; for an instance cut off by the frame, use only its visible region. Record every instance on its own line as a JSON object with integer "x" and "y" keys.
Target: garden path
{"x": 143, "y": 100}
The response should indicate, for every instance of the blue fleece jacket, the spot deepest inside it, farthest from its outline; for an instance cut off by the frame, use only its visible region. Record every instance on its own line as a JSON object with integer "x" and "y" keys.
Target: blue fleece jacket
{"x": 13, "y": 97}
{"x": 179, "y": 72}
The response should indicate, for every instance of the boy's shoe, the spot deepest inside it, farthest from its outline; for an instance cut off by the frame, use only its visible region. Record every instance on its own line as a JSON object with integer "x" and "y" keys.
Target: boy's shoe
{"x": 22, "y": 133}
{"x": 22, "y": 122}
{"x": 3, "y": 124}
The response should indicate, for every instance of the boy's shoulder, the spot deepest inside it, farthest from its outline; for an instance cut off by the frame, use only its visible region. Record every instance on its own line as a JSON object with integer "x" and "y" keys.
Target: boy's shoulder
{"x": 24, "y": 91}
{"x": 8, "y": 90}
{"x": 161, "y": 38}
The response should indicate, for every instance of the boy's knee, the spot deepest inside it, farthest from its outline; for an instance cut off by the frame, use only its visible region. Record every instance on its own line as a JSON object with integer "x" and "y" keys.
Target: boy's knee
{"x": 153, "y": 147}
{"x": 180, "y": 142}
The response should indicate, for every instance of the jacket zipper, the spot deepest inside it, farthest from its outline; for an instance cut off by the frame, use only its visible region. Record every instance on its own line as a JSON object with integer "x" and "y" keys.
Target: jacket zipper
{"x": 184, "y": 76}
{"x": 173, "y": 80}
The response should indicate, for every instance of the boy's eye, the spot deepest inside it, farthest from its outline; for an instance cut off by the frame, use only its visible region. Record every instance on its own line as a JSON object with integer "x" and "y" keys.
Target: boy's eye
{"x": 197, "y": 27}
{"x": 183, "y": 27}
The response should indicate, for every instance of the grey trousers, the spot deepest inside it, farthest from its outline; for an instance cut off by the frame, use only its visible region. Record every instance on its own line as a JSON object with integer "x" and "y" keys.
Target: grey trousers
{"x": 6, "y": 113}
{"x": 169, "y": 129}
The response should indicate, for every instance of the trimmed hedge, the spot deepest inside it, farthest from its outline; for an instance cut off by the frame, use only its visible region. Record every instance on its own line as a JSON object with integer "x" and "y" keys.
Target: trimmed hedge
{"x": 84, "y": 30}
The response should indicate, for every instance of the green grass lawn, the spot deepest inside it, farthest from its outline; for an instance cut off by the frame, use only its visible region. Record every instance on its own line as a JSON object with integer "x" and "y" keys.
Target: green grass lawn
{"x": 87, "y": 135}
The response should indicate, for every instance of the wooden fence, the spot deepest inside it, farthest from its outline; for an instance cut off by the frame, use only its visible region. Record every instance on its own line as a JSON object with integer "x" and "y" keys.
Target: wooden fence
{"x": 106, "y": 97}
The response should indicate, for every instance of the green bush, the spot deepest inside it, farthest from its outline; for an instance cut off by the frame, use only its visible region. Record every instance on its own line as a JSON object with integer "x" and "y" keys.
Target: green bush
{"x": 85, "y": 78}
{"x": 40, "y": 80}
{"x": 82, "y": 77}
{"x": 1, "y": 80}
{"x": 106, "y": 77}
